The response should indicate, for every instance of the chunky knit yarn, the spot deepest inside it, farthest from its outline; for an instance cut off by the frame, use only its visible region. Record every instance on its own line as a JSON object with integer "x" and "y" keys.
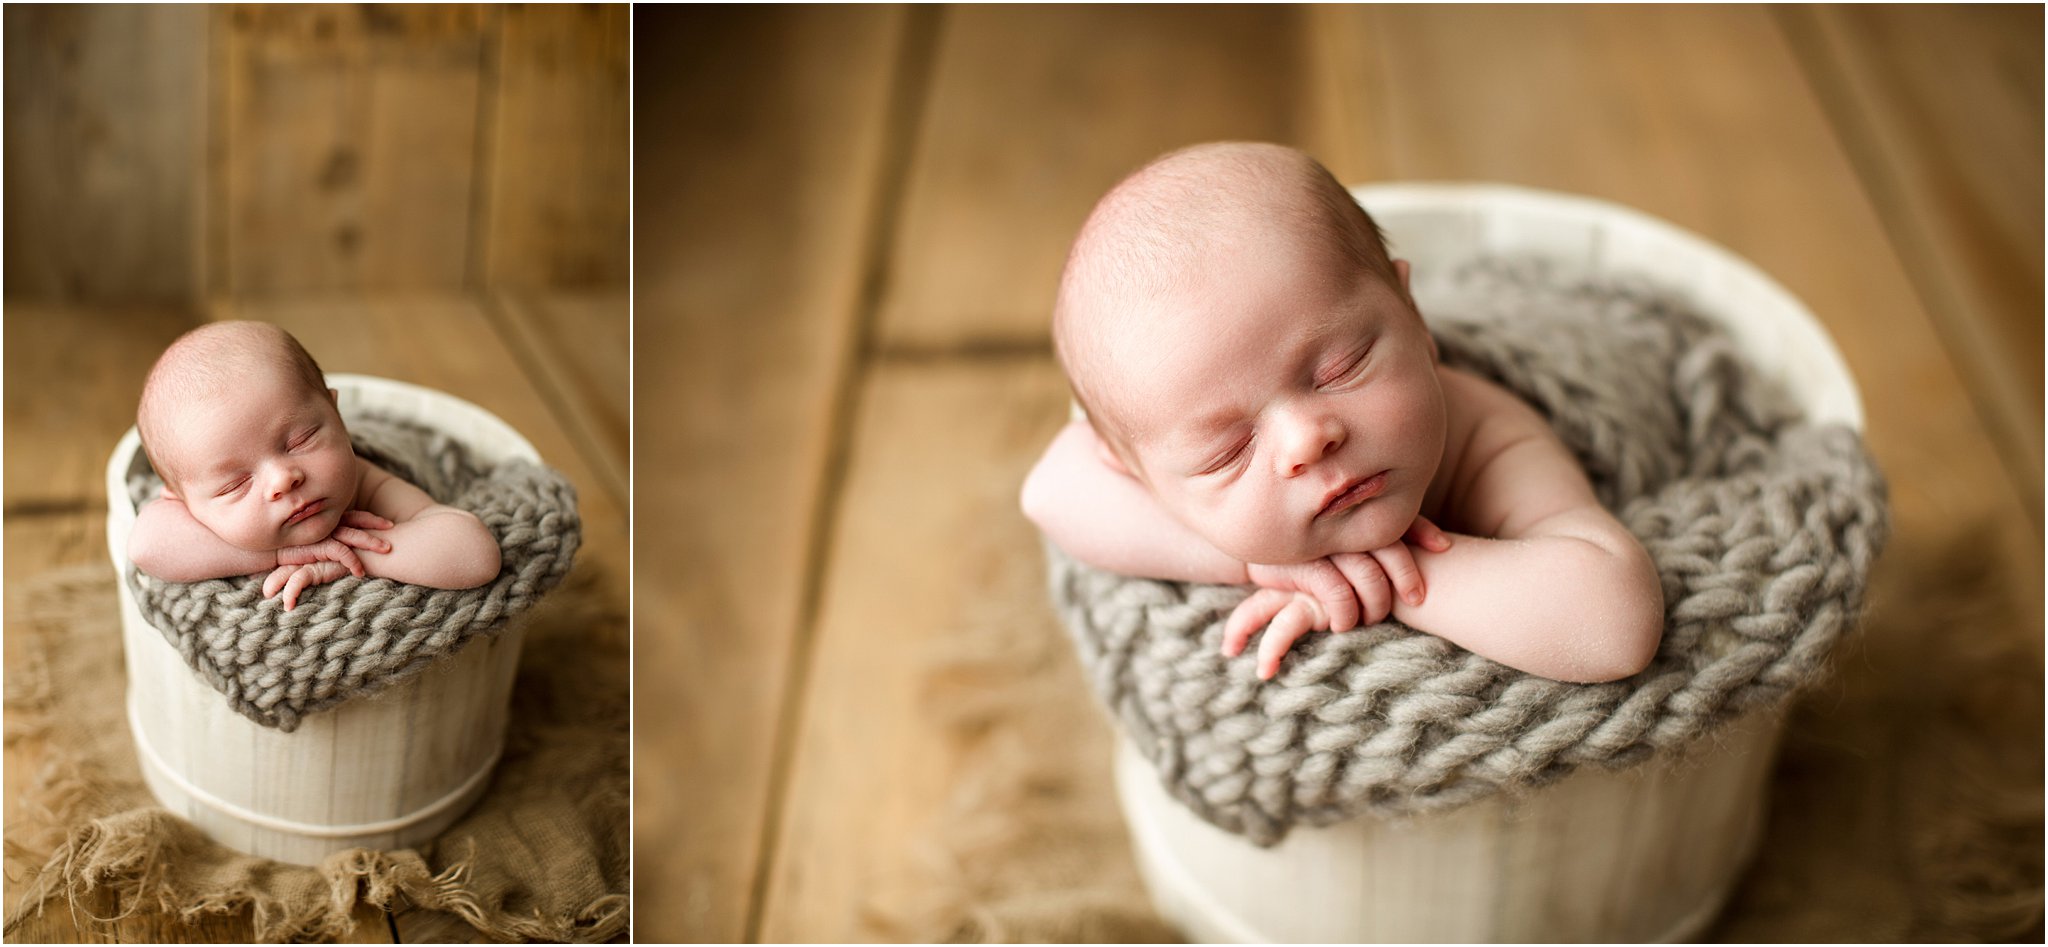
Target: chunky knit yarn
{"x": 354, "y": 637}
{"x": 1763, "y": 529}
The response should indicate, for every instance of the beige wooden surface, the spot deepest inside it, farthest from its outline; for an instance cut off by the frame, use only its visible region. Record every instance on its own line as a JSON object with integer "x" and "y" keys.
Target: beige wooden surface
{"x": 105, "y": 146}
{"x": 72, "y": 377}
{"x": 1906, "y": 804}
{"x": 174, "y": 153}
{"x": 557, "y": 163}
{"x": 378, "y": 112}
{"x": 1923, "y": 100}
{"x": 752, "y": 254}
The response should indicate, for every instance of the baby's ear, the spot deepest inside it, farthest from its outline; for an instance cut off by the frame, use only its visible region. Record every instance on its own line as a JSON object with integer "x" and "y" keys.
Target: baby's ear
{"x": 334, "y": 396}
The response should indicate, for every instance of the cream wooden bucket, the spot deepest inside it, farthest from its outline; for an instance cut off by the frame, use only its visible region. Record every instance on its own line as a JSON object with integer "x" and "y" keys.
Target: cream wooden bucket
{"x": 387, "y": 771}
{"x": 1645, "y": 854}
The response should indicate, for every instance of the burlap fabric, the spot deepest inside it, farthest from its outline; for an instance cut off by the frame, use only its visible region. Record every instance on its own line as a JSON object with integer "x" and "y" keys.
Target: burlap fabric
{"x": 1763, "y": 529}
{"x": 542, "y": 856}
{"x": 354, "y": 637}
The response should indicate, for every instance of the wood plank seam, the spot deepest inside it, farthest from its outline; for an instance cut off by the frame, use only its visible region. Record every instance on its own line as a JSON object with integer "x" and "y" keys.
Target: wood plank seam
{"x": 55, "y": 506}
{"x": 214, "y": 203}
{"x": 988, "y": 349}
{"x": 1996, "y": 397}
{"x": 493, "y": 55}
{"x": 909, "y": 96}
{"x": 516, "y": 332}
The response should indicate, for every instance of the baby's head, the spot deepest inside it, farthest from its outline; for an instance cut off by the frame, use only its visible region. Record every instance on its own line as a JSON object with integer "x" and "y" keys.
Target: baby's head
{"x": 240, "y": 423}
{"x": 1231, "y": 322}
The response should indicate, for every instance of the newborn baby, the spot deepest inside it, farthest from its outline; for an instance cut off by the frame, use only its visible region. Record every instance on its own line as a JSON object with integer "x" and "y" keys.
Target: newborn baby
{"x": 1265, "y": 406}
{"x": 260, "y": 477}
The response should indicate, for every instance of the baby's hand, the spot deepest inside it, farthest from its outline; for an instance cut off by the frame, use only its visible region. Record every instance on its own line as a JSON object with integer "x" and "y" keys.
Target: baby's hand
{"x": 352, "y": 531}
{"x": 293, "y": 578}
{"x": 1333, "y": 593}
{"x": 302, "y": 567}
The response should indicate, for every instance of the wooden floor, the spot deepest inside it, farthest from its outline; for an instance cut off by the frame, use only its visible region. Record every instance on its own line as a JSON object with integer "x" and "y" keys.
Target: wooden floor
{"x": 554, "y": 367}
{"x": 848, "y": 226}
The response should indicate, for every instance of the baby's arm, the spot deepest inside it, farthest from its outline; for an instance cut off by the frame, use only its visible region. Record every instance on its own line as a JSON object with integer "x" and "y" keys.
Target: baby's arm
{"x": 1108, "y": 520}
{"x": 1565, "y": 592}
{"x": 431, "y": 544}
{"x": 168, "y": 543}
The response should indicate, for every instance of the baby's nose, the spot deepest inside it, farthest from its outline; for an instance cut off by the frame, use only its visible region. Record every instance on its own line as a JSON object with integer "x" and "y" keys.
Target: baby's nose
{"x": 1311, "y": 439}
{"x": 284, "y": 478}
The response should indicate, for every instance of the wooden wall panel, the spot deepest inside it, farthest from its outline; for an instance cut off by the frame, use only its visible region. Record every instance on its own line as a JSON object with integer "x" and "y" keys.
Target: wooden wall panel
{"x": 761, "y": 147}
{"x": 557, "y": 212}
{"x": 350, "y": 147}
{"x": 1032, "y": 114}
{"x": 1939, "y": 107}
{"x": 164, "y": 154}
{"x": 104, "y": 140}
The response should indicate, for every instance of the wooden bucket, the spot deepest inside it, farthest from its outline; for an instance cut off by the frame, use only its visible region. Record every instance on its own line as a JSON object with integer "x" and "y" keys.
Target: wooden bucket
{"x": 1643, "y": 854}
{"x": 388, "y": 771}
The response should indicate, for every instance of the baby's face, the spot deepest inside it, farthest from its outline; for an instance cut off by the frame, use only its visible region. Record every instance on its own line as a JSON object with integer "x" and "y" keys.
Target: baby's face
{"x": 264, "y": 465}
{"x": 1282, "y": 410}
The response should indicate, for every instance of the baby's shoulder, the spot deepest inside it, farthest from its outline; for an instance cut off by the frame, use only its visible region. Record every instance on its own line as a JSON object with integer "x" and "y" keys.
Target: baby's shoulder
{"x": 1479, "y": 410}
{"x": 370, "y": 477}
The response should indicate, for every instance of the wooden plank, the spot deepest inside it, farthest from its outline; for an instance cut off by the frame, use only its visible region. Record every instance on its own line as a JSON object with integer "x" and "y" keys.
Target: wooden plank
{"x": 351, "y": 146}
{"x": 1700, "y": 115}
{"x": 105, "y": 138}
{"x": 1033, "y": 113}
{"x": 73, "y": 377}
{"x": 577, "y": 351}
{"x": 750, "y": 263}
{"x": 447, "y": 343}
{"x": 558, "y": 173}
{"x": 952, "y": 765}
{"x": 1940, "y": 109}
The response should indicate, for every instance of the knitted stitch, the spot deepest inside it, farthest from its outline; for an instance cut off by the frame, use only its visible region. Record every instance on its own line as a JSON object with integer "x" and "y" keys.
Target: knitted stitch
{"x": 357, "y": 636}
{"x": 1763, "y": 528}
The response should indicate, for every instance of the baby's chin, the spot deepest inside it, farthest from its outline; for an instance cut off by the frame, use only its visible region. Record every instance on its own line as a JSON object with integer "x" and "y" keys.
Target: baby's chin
{"x": 308, "y": 531}
{"x": 1281, "y": 551}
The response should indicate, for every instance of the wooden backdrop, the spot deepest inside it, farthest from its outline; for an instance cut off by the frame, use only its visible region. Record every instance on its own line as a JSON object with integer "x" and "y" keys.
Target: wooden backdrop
{"x": 436, "y": 194}
{"x": 172, "y": 153}
{"x": 856, "y": 716}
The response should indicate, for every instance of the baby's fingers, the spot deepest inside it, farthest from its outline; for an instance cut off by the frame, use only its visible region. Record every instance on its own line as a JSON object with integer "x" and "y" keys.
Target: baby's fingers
{"x": 1375, "y": 596}
{"x": 1293, "y": 621}
{"x": 345, "y": 557}
{"x": 1401, "y": 571}
{"x": 299, "y": 581}
{"x": 1332, "y": 589}
{"x": 351, "y": 536}
{"x": 275, "y": 580}
{"x": 1424, "y": 533}
{"x": 1251, "y": 615}
{"x": 364, "y": 519}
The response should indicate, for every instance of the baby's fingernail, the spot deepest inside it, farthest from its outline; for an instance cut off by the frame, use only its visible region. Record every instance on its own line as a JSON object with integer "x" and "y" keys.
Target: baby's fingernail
{"x": 1415, "y": 597}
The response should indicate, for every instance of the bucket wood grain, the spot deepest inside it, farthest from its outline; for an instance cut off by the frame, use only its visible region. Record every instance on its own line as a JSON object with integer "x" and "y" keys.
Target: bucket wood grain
{"x": 1647, "y": 854}
{"x": 387, "y": 771}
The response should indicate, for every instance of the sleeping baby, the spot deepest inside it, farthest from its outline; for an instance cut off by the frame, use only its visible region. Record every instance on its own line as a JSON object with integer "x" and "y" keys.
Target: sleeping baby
{"x": 260, "y": 478}
{"x": 1265, "y": 406}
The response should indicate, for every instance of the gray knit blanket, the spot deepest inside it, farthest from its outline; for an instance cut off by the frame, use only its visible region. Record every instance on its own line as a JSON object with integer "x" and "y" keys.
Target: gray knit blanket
{"x": 1763, "y": 529}
{"x": 355, "y": 637}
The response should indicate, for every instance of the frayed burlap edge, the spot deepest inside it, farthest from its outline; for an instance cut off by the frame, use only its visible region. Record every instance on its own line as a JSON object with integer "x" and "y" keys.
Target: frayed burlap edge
{"x": 151, "y": 859}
